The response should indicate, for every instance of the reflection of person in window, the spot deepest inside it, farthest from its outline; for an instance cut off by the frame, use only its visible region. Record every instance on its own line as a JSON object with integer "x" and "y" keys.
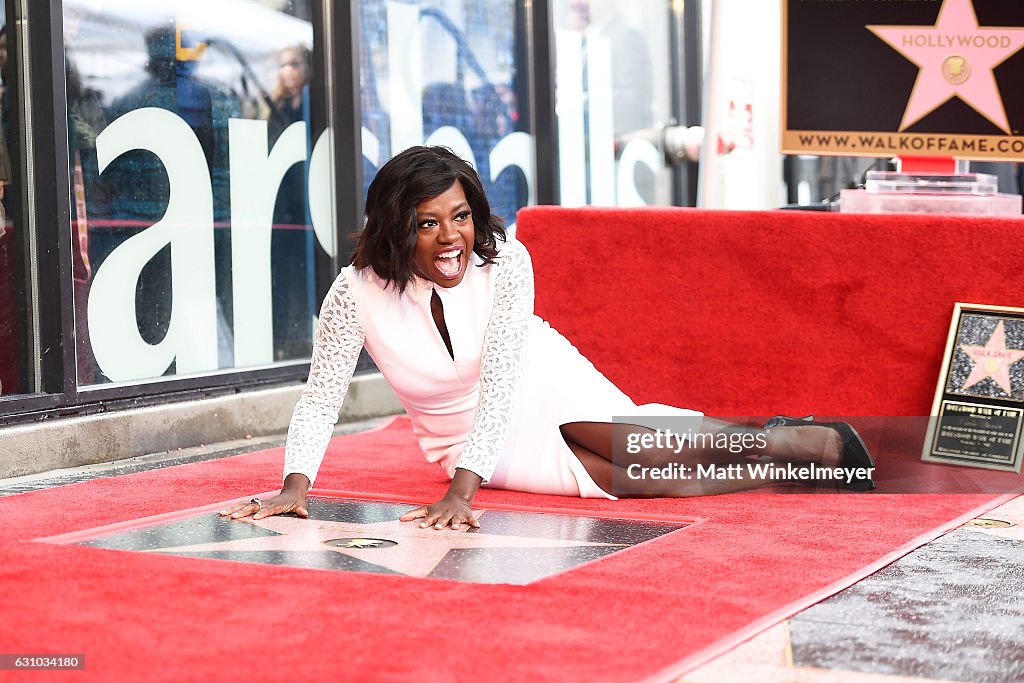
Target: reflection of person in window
{"x": 85, "y": 120}
{"x": 459, "y": 92}
{"x": 6, "y": 173}
{"x": 137, "y": 182}
{"x": 291, "y": 270}
{"x": 5, "y": 163}
{"x": 10, "y": 347}
{"x": 293, "y": 75}
{"x": 172, "y": 84}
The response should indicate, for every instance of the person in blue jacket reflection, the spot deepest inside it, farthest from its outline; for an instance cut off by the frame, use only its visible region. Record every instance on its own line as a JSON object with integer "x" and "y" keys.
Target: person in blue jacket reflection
{"x": 291, "y": 270}
{"x": 137, "y": 186}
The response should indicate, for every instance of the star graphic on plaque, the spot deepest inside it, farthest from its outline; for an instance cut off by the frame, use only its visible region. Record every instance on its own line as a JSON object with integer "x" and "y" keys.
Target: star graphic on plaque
{"x": 512, "y": 546}
{"x": 955, "y": 58}
{"x": 991, "y": 361}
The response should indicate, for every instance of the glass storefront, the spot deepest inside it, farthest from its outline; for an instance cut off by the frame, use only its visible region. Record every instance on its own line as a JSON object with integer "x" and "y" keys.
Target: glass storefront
{"x": 613, "y": 99}
{"x": 185, "y": 245}
{"x": 201, "y": 224}
{"x": 194, "y": 141}
{"x": 444, "y": 72}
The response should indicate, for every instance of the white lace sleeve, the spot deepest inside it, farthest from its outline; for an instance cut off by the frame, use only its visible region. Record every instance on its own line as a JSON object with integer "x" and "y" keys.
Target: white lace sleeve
{"x": 339, "y": 338}
{"x": 501, "y": 363}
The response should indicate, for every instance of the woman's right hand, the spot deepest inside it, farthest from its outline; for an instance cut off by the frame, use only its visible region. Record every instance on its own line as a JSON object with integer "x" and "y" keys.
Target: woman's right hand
{"x": 286, "y": 501}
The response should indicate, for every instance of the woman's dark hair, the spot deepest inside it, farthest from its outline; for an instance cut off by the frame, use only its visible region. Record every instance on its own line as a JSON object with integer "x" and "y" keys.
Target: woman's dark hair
{"x": 388, "y": 239}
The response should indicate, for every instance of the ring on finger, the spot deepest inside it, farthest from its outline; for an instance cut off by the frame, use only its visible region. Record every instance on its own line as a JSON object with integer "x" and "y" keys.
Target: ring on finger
{"x": 258, "y": 503}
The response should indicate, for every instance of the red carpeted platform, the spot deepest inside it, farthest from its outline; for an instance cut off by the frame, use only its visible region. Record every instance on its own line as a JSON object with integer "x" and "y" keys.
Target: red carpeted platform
{"x": 649, "y": 612}
{"x": 766, "y": 312}
{"x": 732, "y": 313}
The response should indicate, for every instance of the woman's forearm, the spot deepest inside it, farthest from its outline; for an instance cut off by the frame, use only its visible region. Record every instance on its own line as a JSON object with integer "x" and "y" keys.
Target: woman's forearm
{"x": 464, "y": 484}
{"x": 296, "y": 483}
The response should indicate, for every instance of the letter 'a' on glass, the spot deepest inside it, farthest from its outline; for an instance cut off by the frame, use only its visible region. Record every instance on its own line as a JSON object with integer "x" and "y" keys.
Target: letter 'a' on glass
{"x": 202, "y": 230}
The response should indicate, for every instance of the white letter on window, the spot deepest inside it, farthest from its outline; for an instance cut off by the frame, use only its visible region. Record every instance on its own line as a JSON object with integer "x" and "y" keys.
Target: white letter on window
{"x": 187, "y": 225}
{"x": 256, "y": 176}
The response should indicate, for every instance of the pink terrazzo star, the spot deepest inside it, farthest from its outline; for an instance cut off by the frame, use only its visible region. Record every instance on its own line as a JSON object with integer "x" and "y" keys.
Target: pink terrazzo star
{"x": 992, "y": 360}
{"x": 956, "y": 58}
{"x": 417, "y": 553}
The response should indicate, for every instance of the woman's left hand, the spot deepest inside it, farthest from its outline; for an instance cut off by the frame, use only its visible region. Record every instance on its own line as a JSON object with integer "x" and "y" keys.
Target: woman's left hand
{"x": 450, "y": 511}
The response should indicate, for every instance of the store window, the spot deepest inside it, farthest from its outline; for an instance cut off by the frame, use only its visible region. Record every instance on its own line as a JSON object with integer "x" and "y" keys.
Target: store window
{"x": 195, "y": 145}
{"x": 17, "y": 367}
{"x": 613, "y": 90}
{"x": 445, "y": 72}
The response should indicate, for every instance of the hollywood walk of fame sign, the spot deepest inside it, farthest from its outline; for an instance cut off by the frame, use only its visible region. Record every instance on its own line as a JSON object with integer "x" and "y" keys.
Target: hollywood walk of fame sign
{"x": 904, "y": 78}
{"x": 978, "y": 413}
{"x": 356, "y": 535}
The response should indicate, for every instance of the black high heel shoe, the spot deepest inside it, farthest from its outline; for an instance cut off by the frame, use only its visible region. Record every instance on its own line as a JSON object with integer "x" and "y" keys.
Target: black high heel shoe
{"x": 854, "y": 452}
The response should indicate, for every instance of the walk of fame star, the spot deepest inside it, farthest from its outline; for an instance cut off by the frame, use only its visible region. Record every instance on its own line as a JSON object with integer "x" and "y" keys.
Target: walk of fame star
{"x": 993, "y": 360}
{"x": 955, "y": 57}
{"x": 343, "y": 534}
{"x": 402, "y": 547}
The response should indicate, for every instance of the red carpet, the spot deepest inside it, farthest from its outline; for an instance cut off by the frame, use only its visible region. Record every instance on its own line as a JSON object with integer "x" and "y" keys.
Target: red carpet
{"x": 651, "y": 611}
{"x": 768, "y": 312}
{"x": 734, "y": 313}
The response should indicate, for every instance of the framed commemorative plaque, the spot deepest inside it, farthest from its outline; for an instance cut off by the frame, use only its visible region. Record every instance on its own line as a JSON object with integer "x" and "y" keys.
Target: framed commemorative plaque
{"x": 978, "y": 412}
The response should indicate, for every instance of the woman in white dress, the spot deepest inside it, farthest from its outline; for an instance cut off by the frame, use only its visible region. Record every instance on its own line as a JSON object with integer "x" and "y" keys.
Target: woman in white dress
{"x": 442, "y": 301}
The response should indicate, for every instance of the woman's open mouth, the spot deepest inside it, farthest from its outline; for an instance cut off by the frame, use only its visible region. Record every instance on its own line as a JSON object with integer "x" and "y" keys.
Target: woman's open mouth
{"x": 449, "y": 263}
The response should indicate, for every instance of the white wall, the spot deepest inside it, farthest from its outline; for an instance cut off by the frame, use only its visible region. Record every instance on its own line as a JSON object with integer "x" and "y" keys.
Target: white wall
{"x": 744, "y": 67}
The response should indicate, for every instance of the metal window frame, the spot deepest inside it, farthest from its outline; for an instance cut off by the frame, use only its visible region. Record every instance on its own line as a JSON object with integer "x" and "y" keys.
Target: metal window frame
{"x": 539, "y": 67}
{"x": 686, "y": 74}
{"x": 685, "y": 87}
{"x": 347, "y": 122}
{"x": 40, "y": 91}
{"x": 690, "y": 73}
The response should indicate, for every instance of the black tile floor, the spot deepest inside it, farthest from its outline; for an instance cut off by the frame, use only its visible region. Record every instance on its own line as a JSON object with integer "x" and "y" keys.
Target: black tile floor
{"x": 951, "y": 610}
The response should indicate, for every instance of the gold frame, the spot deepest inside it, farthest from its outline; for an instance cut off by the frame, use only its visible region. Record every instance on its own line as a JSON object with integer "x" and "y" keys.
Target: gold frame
{"x": 927, "y": 455}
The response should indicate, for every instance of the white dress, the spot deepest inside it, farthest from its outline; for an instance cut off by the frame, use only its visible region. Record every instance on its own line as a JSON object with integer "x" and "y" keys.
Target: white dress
{"x": 495, "y": 409}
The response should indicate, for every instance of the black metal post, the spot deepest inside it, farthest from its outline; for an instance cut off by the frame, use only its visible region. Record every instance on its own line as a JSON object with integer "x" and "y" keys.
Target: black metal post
{"x": 541, "y": 70}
